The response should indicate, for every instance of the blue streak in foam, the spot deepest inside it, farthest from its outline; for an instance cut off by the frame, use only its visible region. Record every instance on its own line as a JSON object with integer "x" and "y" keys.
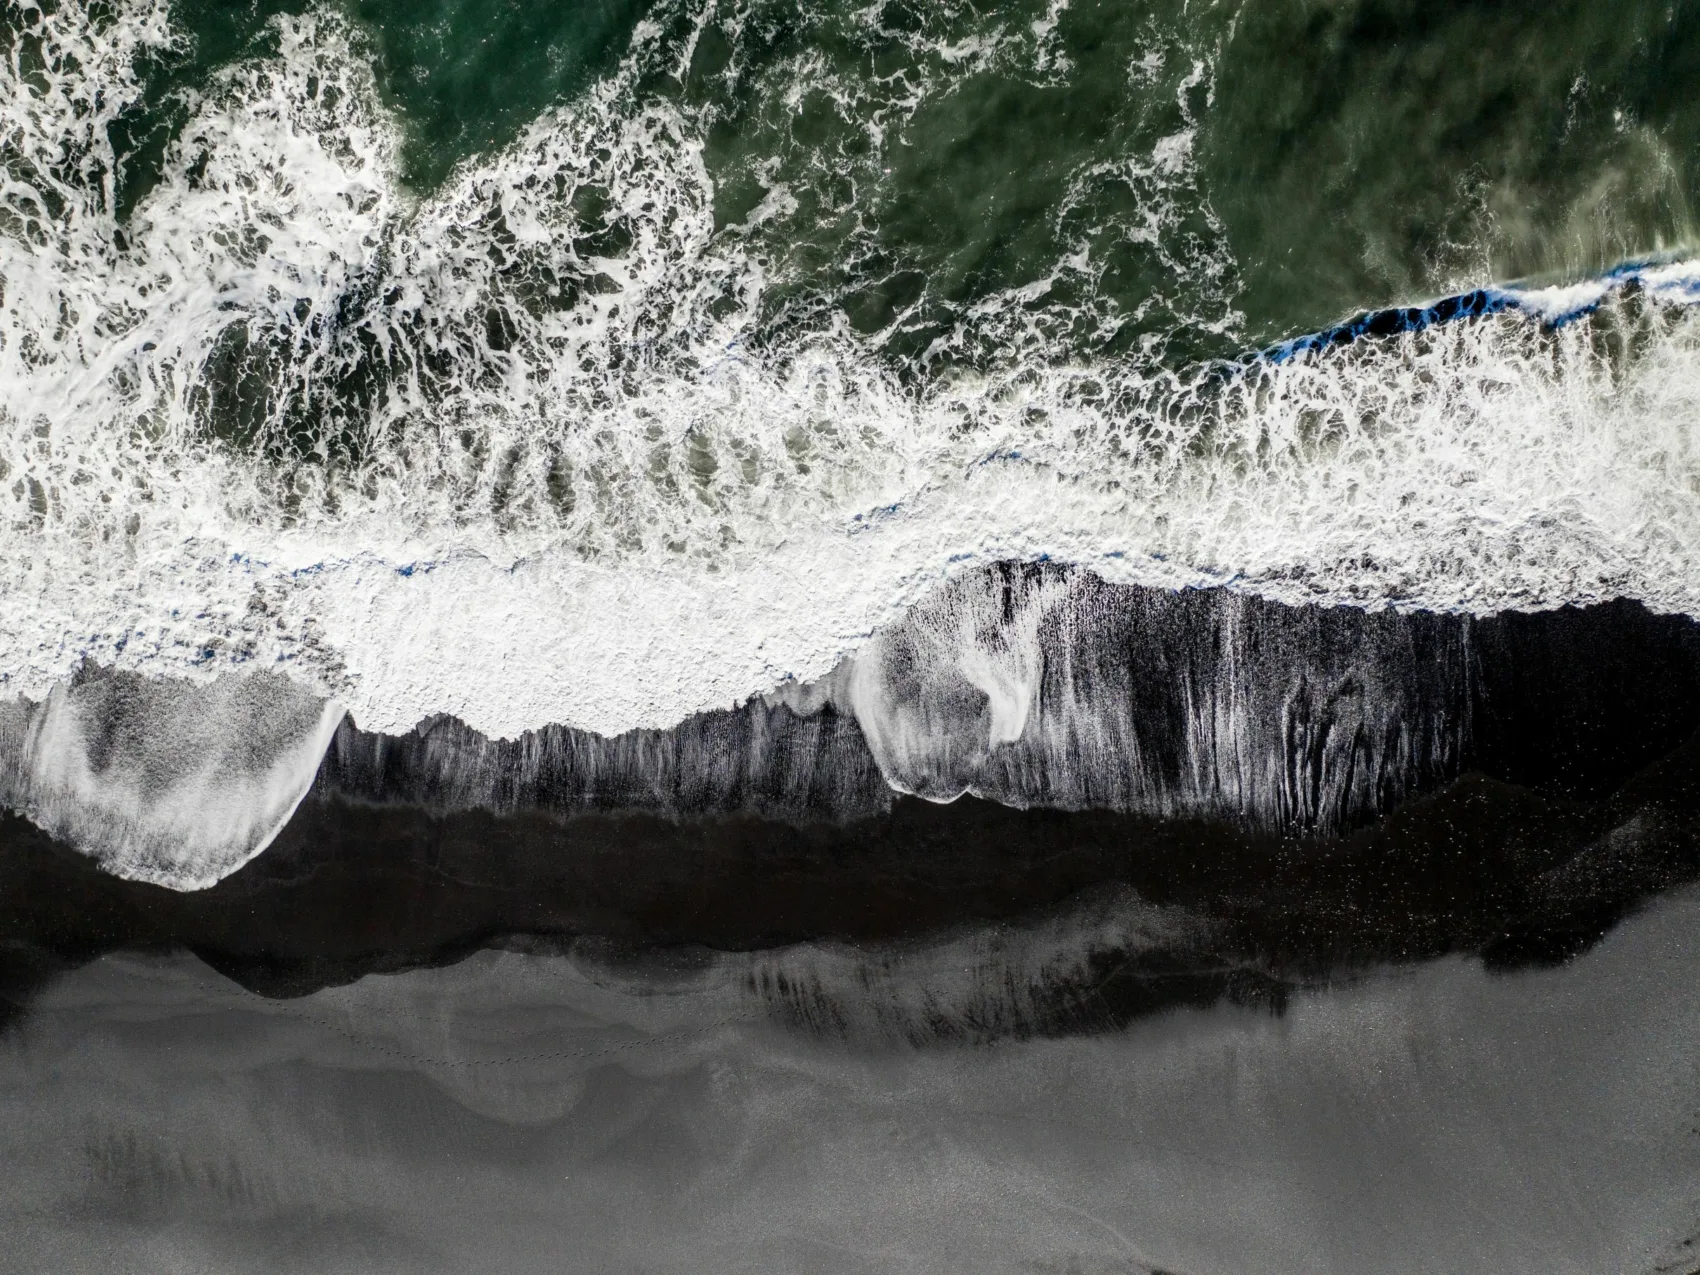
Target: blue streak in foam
{"x": 1468, "y": 305}
{"x": 1475, "y": 304}
{"x": 875, "y": 515}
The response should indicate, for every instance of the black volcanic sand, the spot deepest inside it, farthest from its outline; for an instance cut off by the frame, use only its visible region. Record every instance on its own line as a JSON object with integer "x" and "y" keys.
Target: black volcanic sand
{"x": 1520, "y": 877}
{"x": 523, "y": 1115}
{"x": 1316, "y": 718}
{"x": 1584, "y": 800}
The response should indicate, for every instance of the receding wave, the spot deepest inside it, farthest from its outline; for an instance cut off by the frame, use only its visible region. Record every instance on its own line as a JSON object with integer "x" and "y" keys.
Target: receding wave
{"x": 1032, "y": 686}
{"x": 163, "y": 780}
{"x": 1043, "y": 686}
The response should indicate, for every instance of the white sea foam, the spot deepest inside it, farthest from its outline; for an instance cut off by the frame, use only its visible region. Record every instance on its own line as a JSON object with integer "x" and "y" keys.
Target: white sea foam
{"x": 162, "y": 780}
{"x": 497, "y": 455}
{"x": 1038, "y": 687}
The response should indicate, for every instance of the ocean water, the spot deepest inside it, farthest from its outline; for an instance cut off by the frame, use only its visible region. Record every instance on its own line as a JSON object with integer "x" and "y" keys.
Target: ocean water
{"x": 602, "y": 364}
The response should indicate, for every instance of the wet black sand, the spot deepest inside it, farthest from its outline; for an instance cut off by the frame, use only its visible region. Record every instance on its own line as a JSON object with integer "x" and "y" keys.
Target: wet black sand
{"x": 519, "y": 1113}
{"x": 718, "y": 1034}
{"x": 1518, "y": 876}
{"x": 1579, "y": 799}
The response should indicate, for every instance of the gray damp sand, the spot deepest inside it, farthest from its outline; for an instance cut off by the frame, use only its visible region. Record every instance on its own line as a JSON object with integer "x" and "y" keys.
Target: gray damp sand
{"x": 525, "y": 1113}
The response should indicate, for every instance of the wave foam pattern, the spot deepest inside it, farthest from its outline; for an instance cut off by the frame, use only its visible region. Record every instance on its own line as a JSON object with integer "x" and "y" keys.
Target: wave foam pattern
{"x": 521, "y": 452}
{"x": 163, "y": 780}
{"x": 1030, "y": 686}
{"x": 1033, "y": 686}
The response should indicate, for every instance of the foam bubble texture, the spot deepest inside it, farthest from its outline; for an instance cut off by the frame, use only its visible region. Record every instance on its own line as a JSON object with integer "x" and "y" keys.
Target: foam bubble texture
{"x": 163, "y": 780}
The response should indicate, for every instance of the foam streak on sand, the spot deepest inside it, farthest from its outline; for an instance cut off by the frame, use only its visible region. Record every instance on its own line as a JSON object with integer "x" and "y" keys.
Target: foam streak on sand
{"x": 1034, "y": 687}
{"x": 162, "y": 780}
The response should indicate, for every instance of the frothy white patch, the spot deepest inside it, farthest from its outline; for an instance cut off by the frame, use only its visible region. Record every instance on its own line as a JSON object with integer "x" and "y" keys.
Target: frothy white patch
{"x": 957, "y": 682}
{"x": 167, "y": 781}
{"x": 1563, "y": 301}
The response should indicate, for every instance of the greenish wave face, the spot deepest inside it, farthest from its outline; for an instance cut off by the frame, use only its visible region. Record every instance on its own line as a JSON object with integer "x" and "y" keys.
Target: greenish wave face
{"x": 1322, "y": 156}
{"x": 464, "y": 76}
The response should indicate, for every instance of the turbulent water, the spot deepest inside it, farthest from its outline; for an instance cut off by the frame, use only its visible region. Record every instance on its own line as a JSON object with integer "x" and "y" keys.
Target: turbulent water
{"x": 596, "y": 365}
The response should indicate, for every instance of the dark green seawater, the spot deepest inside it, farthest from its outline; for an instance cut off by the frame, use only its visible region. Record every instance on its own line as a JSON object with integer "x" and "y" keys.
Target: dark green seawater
{"x": 1322, "y": 157}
